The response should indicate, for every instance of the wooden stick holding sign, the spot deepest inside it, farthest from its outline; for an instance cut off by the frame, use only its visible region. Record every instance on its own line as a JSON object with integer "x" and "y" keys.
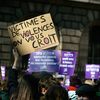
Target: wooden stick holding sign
{"x": 34, "y": 34}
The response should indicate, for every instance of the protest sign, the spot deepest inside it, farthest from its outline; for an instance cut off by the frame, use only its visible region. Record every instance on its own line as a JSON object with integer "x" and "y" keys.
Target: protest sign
{"x": 92, "y": 71}
{"x": 44, "y": 60}
{"x": 3, "y": 72}
{"x": 68, "y": 62}
{"x": 34, "y": 34}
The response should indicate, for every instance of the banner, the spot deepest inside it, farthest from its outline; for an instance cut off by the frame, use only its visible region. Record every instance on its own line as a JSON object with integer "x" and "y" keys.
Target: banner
{"x": 34, "y": 34}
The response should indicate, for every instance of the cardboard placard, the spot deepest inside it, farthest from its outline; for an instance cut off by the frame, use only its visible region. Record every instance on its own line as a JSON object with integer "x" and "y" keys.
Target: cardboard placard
{"x": 34, "y": 34}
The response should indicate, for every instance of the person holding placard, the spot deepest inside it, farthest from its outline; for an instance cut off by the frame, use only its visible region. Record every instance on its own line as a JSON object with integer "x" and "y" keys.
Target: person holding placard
{"x": 86, "y": 92}
{"x": 23, "y": 88}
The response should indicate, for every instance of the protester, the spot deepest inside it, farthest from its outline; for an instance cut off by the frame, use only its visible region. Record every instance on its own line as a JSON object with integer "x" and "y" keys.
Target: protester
{"x": 24, "y": 87}
{"x": 86, "y": 92}
{"x": 56, "y": 92}
{"x": 3, "y": 88}
{"x": 46, "y": 82}
{"x": 28, "y": 86}
{"x": 97, "y": 87}
{"x": 75, "y": 83}
{"x": 4, "y": 95}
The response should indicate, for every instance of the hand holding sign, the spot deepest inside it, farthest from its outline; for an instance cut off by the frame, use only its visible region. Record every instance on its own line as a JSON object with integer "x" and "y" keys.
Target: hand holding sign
{"x": 16, "y": 58}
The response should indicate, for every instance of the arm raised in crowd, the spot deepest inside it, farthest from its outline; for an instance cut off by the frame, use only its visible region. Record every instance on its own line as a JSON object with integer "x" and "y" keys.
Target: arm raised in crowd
{"x": 13, "y": 74}
{"x": 16, "y": 58}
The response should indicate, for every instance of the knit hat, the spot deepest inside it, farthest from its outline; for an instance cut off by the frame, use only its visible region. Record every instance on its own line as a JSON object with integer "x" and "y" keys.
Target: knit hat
{"x": 86, "y": 90}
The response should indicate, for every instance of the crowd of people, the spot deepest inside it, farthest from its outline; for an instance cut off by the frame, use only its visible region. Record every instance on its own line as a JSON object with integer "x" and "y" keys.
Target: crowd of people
{"x": 22, "y": 85}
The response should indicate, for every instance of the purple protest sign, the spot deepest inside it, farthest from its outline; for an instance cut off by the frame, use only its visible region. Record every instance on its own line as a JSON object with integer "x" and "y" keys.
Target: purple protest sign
{"x": 44, "y": 60}
{"x": 3, "y": 72}
{"x": 92, "y": 71}
{"x": 68, "y": 61}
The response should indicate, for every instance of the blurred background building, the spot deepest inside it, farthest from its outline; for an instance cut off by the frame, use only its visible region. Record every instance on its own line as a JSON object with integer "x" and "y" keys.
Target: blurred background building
{"x": 77, "y": 23}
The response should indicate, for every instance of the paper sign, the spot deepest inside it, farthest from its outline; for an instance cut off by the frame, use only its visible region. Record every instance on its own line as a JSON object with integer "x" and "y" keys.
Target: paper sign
{"x": 34, "y": 34}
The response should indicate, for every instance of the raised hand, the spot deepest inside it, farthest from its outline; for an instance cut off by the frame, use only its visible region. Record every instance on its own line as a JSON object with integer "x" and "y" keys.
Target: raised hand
{"x": 16, "y": 58}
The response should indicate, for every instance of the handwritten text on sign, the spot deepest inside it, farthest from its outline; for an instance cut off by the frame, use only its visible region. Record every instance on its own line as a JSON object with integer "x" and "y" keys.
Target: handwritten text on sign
{"x": 34, "y": 34}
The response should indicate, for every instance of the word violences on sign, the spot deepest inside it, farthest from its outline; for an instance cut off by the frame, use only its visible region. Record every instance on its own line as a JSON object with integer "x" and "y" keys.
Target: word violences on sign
{"x": 34, "y": 34}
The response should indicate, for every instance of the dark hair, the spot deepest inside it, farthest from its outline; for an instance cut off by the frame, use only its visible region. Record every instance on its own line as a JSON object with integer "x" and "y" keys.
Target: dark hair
{"x": 86, "y": 90}
{"x": 75, "y": 81}
{"x": 56, "y": 92}
{"x": 46, "y": 82}
{"x": 24, "y": 61}
{"x": 27, "y": 88}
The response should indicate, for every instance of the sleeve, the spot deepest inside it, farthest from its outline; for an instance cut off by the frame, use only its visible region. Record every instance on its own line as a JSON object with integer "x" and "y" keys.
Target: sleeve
{"x": 12, "y": 80}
